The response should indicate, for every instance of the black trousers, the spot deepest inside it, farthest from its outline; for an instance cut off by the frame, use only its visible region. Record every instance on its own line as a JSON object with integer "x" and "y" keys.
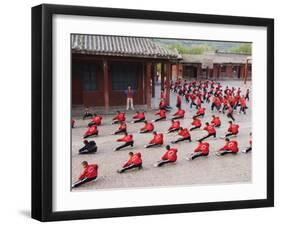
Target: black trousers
{"x": 173, "y": 130}
{"x": 243, "y": 109}
{"x": 125, "y": 145}
{"x": 87, "y": 115}
{"x": 229, "y": 115}
{"x": 197, "y": 154}
{"x": 145, "y": 131}
{"x": 120, "y": 131}
{"x": 192, "y": 103}
{"x": 130, "y": 167}
{"x": 230, "y": 134}
{"x": 214, "y": 106}
{"x": 195, "y": 127}
{"x": 139, "y": 120}
{"x": 91, "y": 124}
{"x": 115, "y": 122}
{"x": 86, "y": 136}
{"x": 199, "y": 115}
{"x": 177, "y": 117}
{"x": 152, "y": 145}
{"x": 83, "y": 181}
{"x": 159, "y": 119}
{"x": 248, "y": 149}
{"x": 224, "y": 152}
{"x": 209, "y": 135}
{"x": 182, "y": 139}
{"x": 86, "y": 151}
{"x": 163, "y": 162}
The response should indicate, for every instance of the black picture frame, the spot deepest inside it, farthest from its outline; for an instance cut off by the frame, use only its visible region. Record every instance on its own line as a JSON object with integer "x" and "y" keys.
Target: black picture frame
{"x": 42, "y": 111}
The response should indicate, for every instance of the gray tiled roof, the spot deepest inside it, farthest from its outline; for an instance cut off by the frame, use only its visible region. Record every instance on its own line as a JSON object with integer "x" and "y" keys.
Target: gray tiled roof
{"x": 120, "y": 46}
{"x": 216, "y": 58}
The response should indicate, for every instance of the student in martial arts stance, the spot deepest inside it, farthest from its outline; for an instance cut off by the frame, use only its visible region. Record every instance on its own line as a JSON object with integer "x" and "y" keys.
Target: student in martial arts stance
{"x": 122, "y": 128}
{"x": 211, "y": 131}
{"x": 185, "y": 135}
{"x": 148, "y": 127}
{"x": 216, "y": 103}
{"x": 179, "y": 114}
{"x": 157, "y": 140}
{"x": 216, "y": 122}
{"x": 92, "y": 131}
{"x": 134, "y": 161}
{"x": 250, "y": 147}
{"x": 233, "y": 129}
{"x": 138, "y": 117}
{"x": 229, "y": 113}
{"x": 243, "y": 105}
{"x": 174, "y": 127}
{"x": 178, "y": 105}
{"x": 120, "y": 117}
{"x": 196, "y": 123}
{"x": 90, "y": 173}
{"x": 229, "y": 147}
{"x": 200, "y": 112}
{"x": 90, "y": 147}
{"x": 169, "y": 157}
{"x": 87, "y": 114}
{"x": 201, "y": 150}
{"x": 162, "y": 115}
{"x": 96, "y": 120}
{"x": 128, "y": 139}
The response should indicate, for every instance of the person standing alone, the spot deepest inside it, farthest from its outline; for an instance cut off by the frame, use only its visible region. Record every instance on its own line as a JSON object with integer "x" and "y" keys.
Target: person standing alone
{"x": 130, "y": 101}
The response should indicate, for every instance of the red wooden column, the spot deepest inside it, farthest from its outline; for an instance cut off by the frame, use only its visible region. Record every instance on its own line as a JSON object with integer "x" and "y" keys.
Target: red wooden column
{"x": 163, "y": 74}
{"x": 147, "y": 85}
{"x": 168, "y": 81}
{"x": 153, "y": 75}
{"x": 105, "y": 85}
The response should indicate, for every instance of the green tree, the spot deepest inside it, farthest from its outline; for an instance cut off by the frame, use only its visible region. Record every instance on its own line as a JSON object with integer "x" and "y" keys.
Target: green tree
{"x": 245, "y": 48}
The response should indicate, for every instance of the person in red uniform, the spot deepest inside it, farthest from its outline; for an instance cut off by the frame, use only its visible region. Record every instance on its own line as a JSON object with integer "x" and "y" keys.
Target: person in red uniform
{"x": 216, "y": 122}
{"x": 90, "y": 173}
{"x": 122, "y": 128}
{"x": 229, "y": 147}
{"x": 211, "y": 131}
{"x": 128, "y": 139}
{"x": 229, "y": 113}
{"x": 233, "y": 129}
{"x": 120, "y": 117}
{"x": 174, "y": 127}
{"x": 158, "y": 140}
{"x": 250, "y": 147}
{"x": 185, "y": 135}
{"x": 138, "y": 117}
{"x": 200, "y": 112}
{"x": 179, "y": 114}
{"x": 87, "y": 114}
{"x": 201, "y": 150}
{"x": 148, "y": 127}
{"x": 162, "y": 115}
{"x": 216, "y": 103}
{"x": 134, "y": 161}
{"x": 91, "y": 131}
{"x": 169, "y": 157}
{"x": 247, "y": 95}
{"x": 72, "y": 123}
{"x": 96, "y": 120}
{"x": 178, "y": 105}
{"x": 196, "y": 123}
{"x": 243, "y": 105}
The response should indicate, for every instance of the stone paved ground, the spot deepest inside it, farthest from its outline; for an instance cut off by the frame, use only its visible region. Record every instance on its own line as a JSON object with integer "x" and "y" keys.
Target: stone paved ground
{"x": 209, "y": 170}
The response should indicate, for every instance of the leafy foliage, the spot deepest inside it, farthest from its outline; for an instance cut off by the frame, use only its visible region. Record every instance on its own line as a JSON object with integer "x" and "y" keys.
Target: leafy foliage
{"x": 245, "y": 48}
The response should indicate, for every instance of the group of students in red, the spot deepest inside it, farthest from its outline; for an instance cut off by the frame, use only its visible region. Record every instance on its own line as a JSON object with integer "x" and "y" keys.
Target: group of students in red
{"x": 194, "y": 92}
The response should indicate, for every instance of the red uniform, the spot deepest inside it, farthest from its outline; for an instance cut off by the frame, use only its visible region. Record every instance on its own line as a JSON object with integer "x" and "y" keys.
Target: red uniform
{"x": 148, "y": 127}
{"x": 170, "y": 155}
{"x": 139, "y": 115}
{"x": 233, "y": 128}
{"x": 243, "y": 102}
{"x": 161, "y": 113}
{"x": 184, "y": 133}
{"x": 91, "y": 131}
{"x": 126, "y": 139}
{"x": 231, "y": 146}
{"x": 91, "y": 171}
{"x": 178, "y": 100}
{"x": 180, "y": 113}
{"x": 97, "y": 120}
{"x": 134, "y": 160}
{"x": 196, "y": 122}
{"x": 122, "y": 126}
{"x": 210, "y": 129}
{"x": 120, "y": 117}
{"x": 175, "y": 125}
{"x": 200, "y": 111}
{"x": 203, "y": 147}
{"x": 216, "y": 121}
{"x": 157, "y": 139}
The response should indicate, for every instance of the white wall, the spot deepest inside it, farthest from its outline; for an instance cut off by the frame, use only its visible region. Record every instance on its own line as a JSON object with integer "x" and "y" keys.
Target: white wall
{"x": 15, "y": 96}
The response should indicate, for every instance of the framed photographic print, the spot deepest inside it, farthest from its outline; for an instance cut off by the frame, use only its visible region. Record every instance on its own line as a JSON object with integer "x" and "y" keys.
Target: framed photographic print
{"x": 146, "y": 112}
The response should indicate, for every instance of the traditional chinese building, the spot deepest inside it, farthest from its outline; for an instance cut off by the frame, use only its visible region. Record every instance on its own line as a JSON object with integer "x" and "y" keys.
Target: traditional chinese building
{"x": 103, "y": 66}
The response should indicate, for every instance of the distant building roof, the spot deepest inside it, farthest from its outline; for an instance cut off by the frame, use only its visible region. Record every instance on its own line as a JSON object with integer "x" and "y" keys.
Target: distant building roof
{"x": 120, "y": 46}
{"x": 216, "y": 58}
